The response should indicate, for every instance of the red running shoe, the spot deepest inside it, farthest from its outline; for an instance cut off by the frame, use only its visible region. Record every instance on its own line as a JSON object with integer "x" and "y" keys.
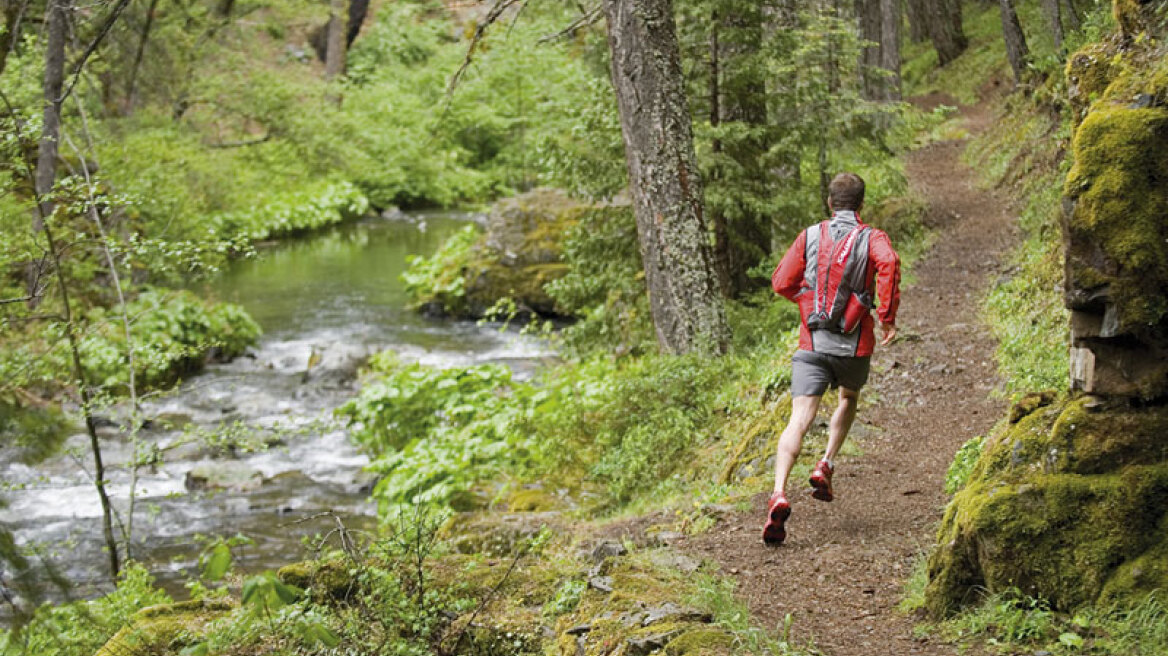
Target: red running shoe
{"x": 778, "y": 510}
{"x": 821, "y": 481}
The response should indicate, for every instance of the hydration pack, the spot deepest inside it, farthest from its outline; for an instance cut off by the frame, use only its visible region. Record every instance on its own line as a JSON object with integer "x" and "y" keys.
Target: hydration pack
{"x": 837, "y": 277}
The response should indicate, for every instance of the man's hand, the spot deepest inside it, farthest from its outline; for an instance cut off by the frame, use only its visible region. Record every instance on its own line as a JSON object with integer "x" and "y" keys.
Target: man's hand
{"x": 889, "y": 330}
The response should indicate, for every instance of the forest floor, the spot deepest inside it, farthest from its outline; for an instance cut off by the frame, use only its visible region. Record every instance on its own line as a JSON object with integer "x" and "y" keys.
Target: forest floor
{"x": 841, "y": 572}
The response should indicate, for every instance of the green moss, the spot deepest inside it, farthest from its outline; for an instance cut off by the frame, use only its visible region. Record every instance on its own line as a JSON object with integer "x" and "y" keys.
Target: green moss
{"x": 1130, "y": 15}
{"x": 1116, "y": 230}
{"x": 1142, "y": 576}
{"x": 165, "y": 629}
{"x": 532, "y": 501}
{"x": 1062, "y": 505}
{"x": 700, "y": 642}
{"x": 1089, "y": 72}
{"x": 334, "y": 579}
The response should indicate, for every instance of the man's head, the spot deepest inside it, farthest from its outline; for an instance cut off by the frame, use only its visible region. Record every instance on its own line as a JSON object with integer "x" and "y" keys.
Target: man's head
{"x": 846, "y": 192}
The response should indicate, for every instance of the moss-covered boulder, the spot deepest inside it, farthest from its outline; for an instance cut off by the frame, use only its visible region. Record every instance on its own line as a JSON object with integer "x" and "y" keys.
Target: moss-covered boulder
{"x": 1114, "y": 227}
{"x": 497, "y": 533}
{"x": 167, "y": 629}
{"x": 334, "y": 579}
{"x": 519, "y": 253}
{"x": 1069, "y": 503}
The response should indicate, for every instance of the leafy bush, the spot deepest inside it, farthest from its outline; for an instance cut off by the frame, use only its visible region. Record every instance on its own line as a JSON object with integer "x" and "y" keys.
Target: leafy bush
{"x": 293, "y": 213}
{"x": 441, "y": 278}
{"x": 434, "y": 433}
{"x": 80, "y": 628}
{"x": 173, "y": 331}
{"x": 962, "y": 466}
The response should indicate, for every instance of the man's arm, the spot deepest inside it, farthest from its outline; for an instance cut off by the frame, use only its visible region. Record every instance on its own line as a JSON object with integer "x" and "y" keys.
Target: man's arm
{"x": 788, "y": 277}
{"x": 887, "y": 264}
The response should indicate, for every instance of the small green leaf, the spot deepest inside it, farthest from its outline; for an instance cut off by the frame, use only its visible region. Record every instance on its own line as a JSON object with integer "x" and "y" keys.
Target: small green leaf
{"x": 218, "y": 562}
{"x": 1073, "y": 640}
{"x": 197, "y": 649}
{"x": 287, "y": 593}
{"x": 317, "y": 632}
{"x": 250, "y": 588}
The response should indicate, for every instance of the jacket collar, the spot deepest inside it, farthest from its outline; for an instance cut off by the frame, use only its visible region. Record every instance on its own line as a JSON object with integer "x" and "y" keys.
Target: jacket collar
{"x": 846, "y": 216}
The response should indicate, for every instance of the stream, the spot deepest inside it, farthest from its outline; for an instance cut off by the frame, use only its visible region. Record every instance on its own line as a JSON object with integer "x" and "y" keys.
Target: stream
{"x": 333, "y": 298}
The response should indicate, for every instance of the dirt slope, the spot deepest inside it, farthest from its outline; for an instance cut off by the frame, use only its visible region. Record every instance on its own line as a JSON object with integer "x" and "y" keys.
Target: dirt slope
{"x": 841, "y": 571}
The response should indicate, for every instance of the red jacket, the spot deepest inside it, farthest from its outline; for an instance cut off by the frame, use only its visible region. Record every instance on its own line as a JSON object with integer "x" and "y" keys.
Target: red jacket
{"x": 883, "y": 271}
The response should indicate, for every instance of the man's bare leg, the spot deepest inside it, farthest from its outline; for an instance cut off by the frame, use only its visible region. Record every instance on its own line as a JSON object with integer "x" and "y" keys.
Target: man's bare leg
{"x": 803, "y": 409}
{"x": 841, "y": 422}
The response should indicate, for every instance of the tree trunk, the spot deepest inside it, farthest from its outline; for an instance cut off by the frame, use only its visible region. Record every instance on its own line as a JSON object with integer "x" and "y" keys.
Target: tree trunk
{"x": 918, "y": 22}
{"x": 870, "y": 26}
{"x": 1016, "y": 50}
{"x": 132, "y": 85}
{"x": 890, "y": 47}
{"x": 1074, "y": 16}
{"x": 1053, "y": 10}
{"x": 663, "y": 177}
{"x": 335, "y": 44}
{"x": 13, "y": 17}
{"x": 943, "y": 18}
{"x": 57, "y": 27}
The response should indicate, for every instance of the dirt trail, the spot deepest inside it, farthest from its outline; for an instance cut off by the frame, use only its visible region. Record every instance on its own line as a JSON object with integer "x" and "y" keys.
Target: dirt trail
{"x": 841, "y": 571}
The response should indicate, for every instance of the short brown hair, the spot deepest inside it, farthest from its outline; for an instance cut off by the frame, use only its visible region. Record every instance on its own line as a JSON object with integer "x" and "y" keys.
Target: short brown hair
{"x": 846, "y": 192}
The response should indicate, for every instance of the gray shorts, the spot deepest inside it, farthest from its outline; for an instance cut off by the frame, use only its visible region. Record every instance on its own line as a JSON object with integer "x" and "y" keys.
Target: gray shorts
{"x": 812, "y": 373}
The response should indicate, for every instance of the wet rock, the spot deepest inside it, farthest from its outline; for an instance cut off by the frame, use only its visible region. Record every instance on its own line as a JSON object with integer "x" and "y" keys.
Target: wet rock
{"x": 223, "y": 476}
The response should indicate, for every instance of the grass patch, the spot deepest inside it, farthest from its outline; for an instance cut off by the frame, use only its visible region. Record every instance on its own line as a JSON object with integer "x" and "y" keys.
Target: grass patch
{"x": 1012, "y": 623}
{"x": 715, "y": 595}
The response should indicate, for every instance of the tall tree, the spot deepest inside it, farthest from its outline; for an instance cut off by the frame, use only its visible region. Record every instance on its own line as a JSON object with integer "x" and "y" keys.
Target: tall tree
{"x": 335, "y": 41}
{"x": 663, "y": 176}
{"x": 1016, "y": 50}
{"x": 943, "y": 19}
{"x": 870, "y": 22}
{"x": 738, "y": 104}
{"x": 918, "y": 22}
{"x": 57, "y": 29}
{"x": 890, "y": 47}
{"x": 1053, "y": 10}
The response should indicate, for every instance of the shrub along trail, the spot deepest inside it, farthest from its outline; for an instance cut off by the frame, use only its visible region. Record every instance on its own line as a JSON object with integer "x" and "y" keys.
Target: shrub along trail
{"x": 841, "y": 572}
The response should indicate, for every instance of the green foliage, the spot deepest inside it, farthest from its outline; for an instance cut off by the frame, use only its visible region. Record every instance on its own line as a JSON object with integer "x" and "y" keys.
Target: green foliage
{"x": 1011, "y": 622}
{"x": 716, "y": 595}
{"x": 566, "y": 599}
{"x": 604, "y": 287}
{"x": 172, "y": 331}
{"x": 434, "y": 433}
{"x": 441, "y": 278}
{"x": 80, "y": 628}
{"x": 962, "y": 466}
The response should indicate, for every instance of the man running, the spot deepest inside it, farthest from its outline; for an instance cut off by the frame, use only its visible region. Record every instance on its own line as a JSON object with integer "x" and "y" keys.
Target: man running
{"x": 834, "y": 271}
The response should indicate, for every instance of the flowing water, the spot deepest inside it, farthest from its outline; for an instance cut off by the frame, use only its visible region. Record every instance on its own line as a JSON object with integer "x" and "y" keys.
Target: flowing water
{"x": 331, "y": 300}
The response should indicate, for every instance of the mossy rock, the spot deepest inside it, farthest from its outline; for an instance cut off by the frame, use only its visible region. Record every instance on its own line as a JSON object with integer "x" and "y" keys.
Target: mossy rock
{"x": 706, "y": 641}
{"x": 533, "y": 500}
{"x": 495, "y": 533}
{"x": 1133, "y": 16}
{"x": 1062, "y": 505}
{"x": 1089, "y": 72}
{"x": 166, "y": 629}
{"x": 518, "y": 254}
{"x": 327, "y": 580}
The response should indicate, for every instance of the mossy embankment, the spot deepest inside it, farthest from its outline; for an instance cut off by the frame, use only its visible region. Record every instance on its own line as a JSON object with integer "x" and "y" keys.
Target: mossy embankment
{"x": 1065, "y": 504}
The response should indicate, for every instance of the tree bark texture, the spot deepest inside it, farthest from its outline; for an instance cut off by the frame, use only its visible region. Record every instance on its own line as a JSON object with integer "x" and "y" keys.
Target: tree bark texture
{"x": 890, "y": 47}
{"x": 335, "y": 46}
{"x": 1016, "y": 50}
{"x": 57, "y": 27}
{"x": 918, "y": 28}
{"x": 663, "y": 177}
{"x": 132, "y": 85}
{"x": 1053, "y": 10}
{"x": 869, "y": 21}
{"x": 943, "y": 18}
